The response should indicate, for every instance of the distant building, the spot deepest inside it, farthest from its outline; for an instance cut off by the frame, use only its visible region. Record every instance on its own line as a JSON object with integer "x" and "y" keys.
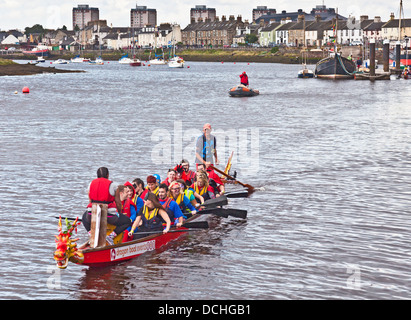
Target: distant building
{"x": 215, "y": 33}
{"x": 83, "y": 14}
{"x": 201, "y": 12}
{"x": 141, "y": 17}
{"x": 321, "y": 11}
{"x": 261, "y": 11}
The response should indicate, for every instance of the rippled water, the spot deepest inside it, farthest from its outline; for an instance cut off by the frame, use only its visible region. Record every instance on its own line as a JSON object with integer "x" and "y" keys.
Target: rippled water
{"x": 331, "y": 161}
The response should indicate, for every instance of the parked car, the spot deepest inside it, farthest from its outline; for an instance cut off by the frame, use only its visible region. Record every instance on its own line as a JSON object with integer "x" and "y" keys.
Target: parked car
{"x": 356, "y": 43}
{"x": 234, "y": 45}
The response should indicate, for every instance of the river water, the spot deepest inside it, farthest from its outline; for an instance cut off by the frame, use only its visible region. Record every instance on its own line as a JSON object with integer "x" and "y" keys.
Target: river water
{"x": 331, "y": 161}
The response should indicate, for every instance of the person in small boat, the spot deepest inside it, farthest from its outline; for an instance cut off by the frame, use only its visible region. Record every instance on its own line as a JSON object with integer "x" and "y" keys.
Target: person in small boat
{"x": 202, "y": 187}
{"x": 152, "y": 215}
{"x": 244, "y": 79}
{"x": 206, "y": 147}
{"x": 152, "y": 186}
{"x": 213, "y": 179}
{"x": 171, "y": 176}
{"x": 171, "y": 207}
{"x": 102, "y": 190}
{"x": 176, "y": 192}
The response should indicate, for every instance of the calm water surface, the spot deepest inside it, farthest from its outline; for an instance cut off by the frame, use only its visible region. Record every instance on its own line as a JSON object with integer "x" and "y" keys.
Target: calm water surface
{"x": 331, "y": 161}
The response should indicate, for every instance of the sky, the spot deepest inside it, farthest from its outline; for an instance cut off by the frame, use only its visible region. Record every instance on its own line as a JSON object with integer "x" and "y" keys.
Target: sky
{"x": 18, "y": 14}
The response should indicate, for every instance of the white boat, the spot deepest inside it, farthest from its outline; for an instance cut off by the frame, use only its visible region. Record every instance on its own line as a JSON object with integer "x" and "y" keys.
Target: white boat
{"x": 125, "y": 60}
{"x": 41, "y": 59}
{"x": 78, "y": 59}
{"x": 176, "y": 62}
{"x": 60, "y": 61}
{"x": 98, "y": 61}
{"x": 159, "y": 61}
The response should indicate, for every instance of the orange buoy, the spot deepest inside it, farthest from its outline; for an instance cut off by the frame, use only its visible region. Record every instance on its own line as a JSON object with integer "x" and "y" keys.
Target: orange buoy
{"x": 26, "y": 90}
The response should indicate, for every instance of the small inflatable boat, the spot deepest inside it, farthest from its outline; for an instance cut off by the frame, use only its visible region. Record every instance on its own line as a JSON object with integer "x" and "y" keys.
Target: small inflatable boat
{"x": 243, "y": 91}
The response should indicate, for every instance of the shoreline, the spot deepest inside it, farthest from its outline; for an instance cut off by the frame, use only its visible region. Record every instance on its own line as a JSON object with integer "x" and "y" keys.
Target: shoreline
{"x": 16, "y": 69}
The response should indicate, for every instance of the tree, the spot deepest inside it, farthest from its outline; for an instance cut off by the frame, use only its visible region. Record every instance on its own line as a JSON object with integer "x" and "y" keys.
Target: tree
{"x": 37, "y": 28}
{"x": 251, "y": 38}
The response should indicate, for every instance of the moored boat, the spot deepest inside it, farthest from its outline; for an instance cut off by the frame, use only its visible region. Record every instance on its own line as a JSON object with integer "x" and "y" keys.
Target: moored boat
{"x": 98, "y": 61}
{"x": 305, "y": 73}
{"x": 176, "y": 62}
{"x": 335, "y": 67}
{"x": 60, "y": 61}
{"x": 125, "y": 60}
{"x": 243, "y": 91}
{"x": 135, "y": 62}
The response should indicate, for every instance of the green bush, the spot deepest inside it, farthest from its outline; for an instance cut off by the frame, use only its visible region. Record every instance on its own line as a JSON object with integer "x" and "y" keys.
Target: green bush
{"x": 274, "y": 50}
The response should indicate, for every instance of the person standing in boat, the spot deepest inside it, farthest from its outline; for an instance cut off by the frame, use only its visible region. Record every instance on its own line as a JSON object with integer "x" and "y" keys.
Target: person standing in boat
{"x": 244, "y": 79}
{"x": 102, "y": 190}
{"x": 171, "y": 207}
{"x": 151, "y": 215}
{"x": 206, "y": 147}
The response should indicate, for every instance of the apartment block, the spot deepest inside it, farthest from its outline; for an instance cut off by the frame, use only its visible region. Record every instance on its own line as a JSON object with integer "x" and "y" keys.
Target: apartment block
{"x": 141, "y": 17}
{"x": 83, "y": 14}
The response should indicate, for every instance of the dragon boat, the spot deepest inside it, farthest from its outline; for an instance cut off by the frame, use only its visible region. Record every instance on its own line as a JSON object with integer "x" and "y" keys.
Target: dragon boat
{"x": 106, "y": 255}
{"x": 96, "y": 252}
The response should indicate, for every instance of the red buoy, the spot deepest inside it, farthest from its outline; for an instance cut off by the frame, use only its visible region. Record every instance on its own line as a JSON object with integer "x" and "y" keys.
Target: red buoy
{"x": 26, "y": 90}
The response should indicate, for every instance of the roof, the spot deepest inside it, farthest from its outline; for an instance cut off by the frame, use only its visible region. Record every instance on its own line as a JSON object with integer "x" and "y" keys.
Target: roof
{"x": 374, "y": 26}
{"x": 285, "y": 26}
{"x": 211, "y": 25}
{"x": 394, "y": 23}
{"x": 325, "y": 16}
{"x": 270, "y": 27}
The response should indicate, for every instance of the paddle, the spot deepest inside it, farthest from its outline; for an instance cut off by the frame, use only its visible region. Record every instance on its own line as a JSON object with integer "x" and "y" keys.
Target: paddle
{"x": 237, "y": 194}
{"x": 171, "y": 231}
{"x": 225, "y": 212}
{"x": 249, "y": 188}
{"x": 219, "y": 201}
{"x": 195, "y": 224}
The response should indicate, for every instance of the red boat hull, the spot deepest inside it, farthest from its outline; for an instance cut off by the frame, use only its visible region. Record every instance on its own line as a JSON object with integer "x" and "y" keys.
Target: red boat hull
{"x": 109, "y": 255}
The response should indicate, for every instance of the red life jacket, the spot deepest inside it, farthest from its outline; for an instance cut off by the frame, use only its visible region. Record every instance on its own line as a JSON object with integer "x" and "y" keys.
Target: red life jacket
{"x": 127, "y": 207}
{"x": 99, "y": 192}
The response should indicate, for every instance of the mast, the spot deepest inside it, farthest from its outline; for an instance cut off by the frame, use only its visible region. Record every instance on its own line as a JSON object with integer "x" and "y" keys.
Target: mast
{"x": 399, "y": 22}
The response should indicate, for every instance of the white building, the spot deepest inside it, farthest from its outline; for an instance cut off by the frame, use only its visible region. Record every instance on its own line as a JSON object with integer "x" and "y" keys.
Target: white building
{"x": 10, "y": 40}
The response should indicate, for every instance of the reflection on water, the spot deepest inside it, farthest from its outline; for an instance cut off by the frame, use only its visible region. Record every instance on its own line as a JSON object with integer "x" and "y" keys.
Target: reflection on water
{"x": 329, "y": 219}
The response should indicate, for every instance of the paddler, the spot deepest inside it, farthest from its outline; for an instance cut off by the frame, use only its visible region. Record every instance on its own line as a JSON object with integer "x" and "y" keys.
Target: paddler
{"x": 171, "y": 176}
{"x": 214, "y": 179}
{"x": 202, "y": 187}
{"x": 172, "y": 208}
{"x": 206, "y": 147}
{"x": 176, "y": 192}
{"x": 152, "y": 215}
{"x": 130, "y": 209}
{"x": 152, "y": 186}
{"x": 183, "y": 169}
{"x": 102, "y": 190}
